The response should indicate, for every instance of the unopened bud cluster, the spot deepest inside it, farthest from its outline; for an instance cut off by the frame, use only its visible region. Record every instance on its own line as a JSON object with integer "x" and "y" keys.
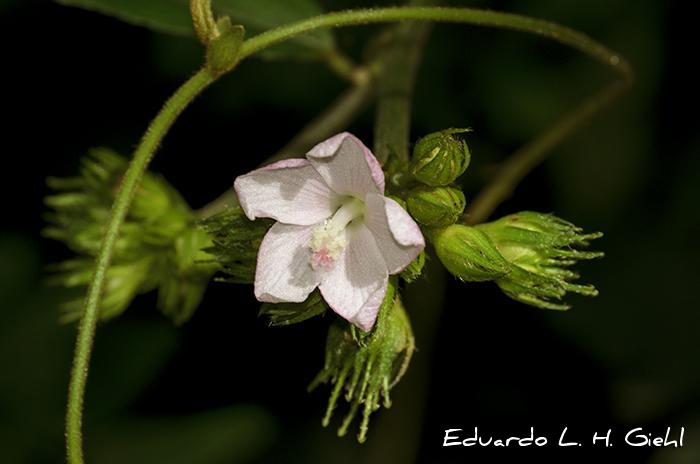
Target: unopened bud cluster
{"x": 528, "y": 254}
{"x": 438, "y": 160}
{"x": 159, "y": 246}
{"x": 431, "y": 197}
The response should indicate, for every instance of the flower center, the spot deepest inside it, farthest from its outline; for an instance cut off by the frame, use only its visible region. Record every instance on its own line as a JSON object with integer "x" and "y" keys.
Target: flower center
{"x": 329, "y": 239}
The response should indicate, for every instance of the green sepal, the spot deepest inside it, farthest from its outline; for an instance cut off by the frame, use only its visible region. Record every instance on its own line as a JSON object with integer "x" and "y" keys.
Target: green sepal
{"x": 541, "y": 231}
{"x": 541, "y": 248}
{"x": 364, "y": 366}
{"x": 415, "y": 269}
{"x": 280, "y": 314}
{"x": 235, "y": 242}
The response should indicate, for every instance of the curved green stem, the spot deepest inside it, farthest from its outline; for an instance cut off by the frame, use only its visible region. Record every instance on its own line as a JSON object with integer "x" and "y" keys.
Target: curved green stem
{"x": 86, "y": 332}
{"x": 476, "y": 17}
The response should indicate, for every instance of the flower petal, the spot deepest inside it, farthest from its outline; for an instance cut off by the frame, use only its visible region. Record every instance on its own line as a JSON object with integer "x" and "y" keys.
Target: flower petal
{"x": 355, "y": 287}
{"x": 396, "y": 233}
{"x": 290, "y": 191}
{"x": 367, "y": 315}
{"x": 283, "y": 272}
{"x": 347, "y": 165}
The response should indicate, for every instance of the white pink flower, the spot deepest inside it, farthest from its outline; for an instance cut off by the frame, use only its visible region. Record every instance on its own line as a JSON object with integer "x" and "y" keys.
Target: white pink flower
{"x": 335, "y": 229}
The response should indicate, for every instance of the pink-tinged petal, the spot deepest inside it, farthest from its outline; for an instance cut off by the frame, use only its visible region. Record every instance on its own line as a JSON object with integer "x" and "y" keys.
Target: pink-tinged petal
{"x": 396, "y": 233}
{"x": 355, "y": 286}
{"x": 347, "y": 165}
{"x": 289, "y": 191}
{"x": 283, "y": 272}
{"x": 367, "y": 315}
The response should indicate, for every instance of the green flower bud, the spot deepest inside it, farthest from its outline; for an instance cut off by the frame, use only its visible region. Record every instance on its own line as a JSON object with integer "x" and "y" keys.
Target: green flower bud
{"x": 435, "y": 206}
{"x": 541, "y": 248}
{"x": 469, "y": 254}
{"x": 123, "y": 282}
{"x": 440, "y": 158}
{"x": 159, "y": 246}
{"x": 366, "y": 366}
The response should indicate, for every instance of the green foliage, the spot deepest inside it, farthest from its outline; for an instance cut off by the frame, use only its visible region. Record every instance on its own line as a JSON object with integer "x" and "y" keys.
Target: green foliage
{"x": 235, "y": 242}
{"x": 366, "y": 366}
{"x": 159, "y": 247}
{"x": 173, "y": 17}
{"x": 169, "y": 16}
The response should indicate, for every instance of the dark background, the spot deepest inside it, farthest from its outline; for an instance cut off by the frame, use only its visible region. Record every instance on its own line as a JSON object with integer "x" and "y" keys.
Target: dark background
{"x": 227, "y": 388}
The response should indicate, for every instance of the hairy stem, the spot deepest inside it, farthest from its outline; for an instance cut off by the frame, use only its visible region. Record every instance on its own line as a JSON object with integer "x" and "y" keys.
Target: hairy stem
{"x": 520, "y": 163}
{"x": 203, "y": 20}
{"x": 476, "y": 17}
{"x": 86, "y": 332}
